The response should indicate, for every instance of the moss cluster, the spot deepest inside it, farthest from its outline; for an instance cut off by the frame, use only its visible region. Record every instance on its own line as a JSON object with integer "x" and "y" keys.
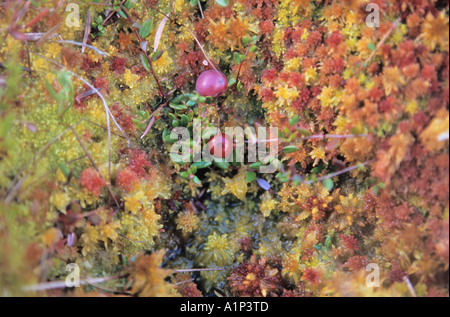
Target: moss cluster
{"x": 361, "y": 177}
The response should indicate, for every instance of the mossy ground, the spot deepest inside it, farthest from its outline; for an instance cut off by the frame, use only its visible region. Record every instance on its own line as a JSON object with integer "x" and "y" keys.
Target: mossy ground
{"x": 376, "y": 98}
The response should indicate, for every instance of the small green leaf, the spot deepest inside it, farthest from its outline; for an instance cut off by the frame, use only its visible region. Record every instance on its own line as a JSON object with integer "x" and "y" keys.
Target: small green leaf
{"x": 128, "y": 4}
{"x": 328, "y": 243}
{"x": 290, "y": 149}
{"x": 201, "y": 165}
{"x": 157, "y": 55}
{"x": 222, "y": 3}
{"x": 222, "y": 165}
{"x": 146, "y": 28}
{"x": 256, "y": 165}
{"x": 177, "y": 107}
{"x": 318, "y": 246}
{"x": 294, "y": 120}
{"x": 197, "y": 180}
{"x": 64, "y": 169}
{"x": 191, "y": 103}
{"x": 184, "y": 120}
{"x": 124, "y": 260}
{"x": 231, "y": 82}
{"x": 375, "y": 190}
{"x": 304, "y": 132}
{"x": 371, "y": 46}
{"x": 328, "y": 184}
{"x": 123, "y": 15}
{"x": 255, "y": 39}
{"x": 177, "y": 99}
{"x": 184, "y": 174}
{"x": 144, "y": 62}
{"x": 317, "y": 169}
{"x": 237, "y": 58}
{"x": 246, "y": 41}
{"x": 166, "y": 136}
{"x": 172, "y": 117}
{"x": 250, "y": 177}
{"x": 193, "y": 169}
{"x": 177, "y": 158}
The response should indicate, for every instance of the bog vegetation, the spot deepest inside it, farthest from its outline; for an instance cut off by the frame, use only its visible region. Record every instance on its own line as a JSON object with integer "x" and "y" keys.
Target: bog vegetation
{"x": 86, "y": 177}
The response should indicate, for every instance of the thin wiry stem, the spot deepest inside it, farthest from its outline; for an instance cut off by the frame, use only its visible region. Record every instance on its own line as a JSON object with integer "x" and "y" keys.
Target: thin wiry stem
{"x": 87, "y": 30}
{"x": 84, "y": 45}
{"x": 184, "y": 282}
{"x": 383, "y": 39}
{"x": 130, "y": 19}
{"x": 93, "y": 164}
{"x": 332, "y": 136}
{"x": 18, "y": 182}
{"x": 345, "y": 170}
{"x": 107, "y": 111}
{"x": 200, "y": 7}
{"x": 199, "y": 270}
{"x": 62, "y": 284}
{"x": 193, "y": 35}
{"x": 411, "y": 289}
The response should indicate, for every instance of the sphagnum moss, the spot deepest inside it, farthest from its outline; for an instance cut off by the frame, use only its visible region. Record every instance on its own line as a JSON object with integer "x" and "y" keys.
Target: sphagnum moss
{"x": 316, "y": 71}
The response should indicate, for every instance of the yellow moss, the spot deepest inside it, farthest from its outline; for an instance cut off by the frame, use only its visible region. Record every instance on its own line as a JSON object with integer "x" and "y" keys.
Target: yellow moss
{"x": 236, "y": 185}
{"x": 134, "y": 202}
{"x": 439, "y": 126}
{"x": 188, "y": 222}
{"x": 435, "y": 31}
{"x": 219, "y": 250}
{"x": 286, "y": 95}
{"x": 148, "y": 278}
{"x": 311, "y": 75}
{"x": 60, "y": 200}
{"x": 317, "y": 154}
{"x": 131, "y": 79}
{"x": 268, "y": 204}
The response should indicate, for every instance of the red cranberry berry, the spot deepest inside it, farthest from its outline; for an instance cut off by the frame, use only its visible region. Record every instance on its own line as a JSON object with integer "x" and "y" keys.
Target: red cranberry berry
{"x": 218, "y": 142}
{"x": 211, "y": 83}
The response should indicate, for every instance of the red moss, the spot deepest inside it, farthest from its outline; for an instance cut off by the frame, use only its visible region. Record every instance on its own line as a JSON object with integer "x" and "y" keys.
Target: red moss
{"x": 397, "y": 274}
{"x": 356, "y": 263}
{"x": 312, "y": 276}
{"x": 314, "y": 39}
{"x": 269, "y": 75}
{"x": 256, "y": 278}
{"x": 126, "y": 179}
{"x": 138, "y": 162}
{"x": 267, "y": 95}
{"x": 334, "y": 39}
{"x": 88, "y": 65}
{"x": 333, "y": 66}
{"x": 350, "y": 242}
{"x": 186, "y": 287}
{"x": 201, "y": 29}
{"x": 124, "y": 120}
{"x": 266, "y": 27}
{"x": 118, "y": 65}
{"x": 92, "y": 181}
